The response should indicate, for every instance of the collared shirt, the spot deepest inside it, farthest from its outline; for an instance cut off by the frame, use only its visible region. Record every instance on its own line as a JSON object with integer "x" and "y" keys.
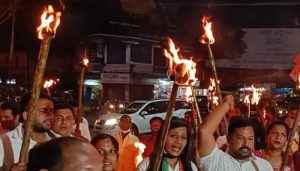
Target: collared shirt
{"x": 143, "y": 166}
{"x": 16, "y": 136}
{"x": 219, "y": 160}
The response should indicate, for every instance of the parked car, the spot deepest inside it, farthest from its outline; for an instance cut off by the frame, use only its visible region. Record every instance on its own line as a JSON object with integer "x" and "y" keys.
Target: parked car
{"x": 140, "y": 112}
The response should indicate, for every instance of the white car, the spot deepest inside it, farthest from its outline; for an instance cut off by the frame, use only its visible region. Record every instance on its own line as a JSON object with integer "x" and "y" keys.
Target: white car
{"x": 140, "y": 112}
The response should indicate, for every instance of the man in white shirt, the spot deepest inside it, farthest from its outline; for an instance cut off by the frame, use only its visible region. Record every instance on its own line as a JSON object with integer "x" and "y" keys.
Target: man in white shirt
{"x": 240, "y": 144}
{"x": 11, "y": 142}
{"x": 84, "y": 131}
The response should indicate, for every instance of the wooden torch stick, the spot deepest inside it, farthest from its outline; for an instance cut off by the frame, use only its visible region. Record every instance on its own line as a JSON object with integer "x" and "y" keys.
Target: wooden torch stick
{"x": 199, "y": 119}
{"x": 36, "y": 89}
{"x": 165, "y": 128}
{"x": 218, "y": 90}
{"x": 84, "y": 65}
{"x": 290, "y": 140}
{"x": 80, "y": 89}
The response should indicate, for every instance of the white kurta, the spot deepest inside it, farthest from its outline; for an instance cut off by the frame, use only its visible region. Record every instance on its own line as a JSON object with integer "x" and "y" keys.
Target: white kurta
{"x": 219, "y": 160}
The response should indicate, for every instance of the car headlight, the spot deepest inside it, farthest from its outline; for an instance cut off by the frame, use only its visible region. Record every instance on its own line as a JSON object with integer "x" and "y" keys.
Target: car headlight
{"x": 111, "y": 122}
{"x": 121, "y": 106}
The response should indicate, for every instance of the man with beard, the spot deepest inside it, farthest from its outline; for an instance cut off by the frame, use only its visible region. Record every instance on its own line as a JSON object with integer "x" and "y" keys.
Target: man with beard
{"x": 11, "y": 142}
{"x": 9, "y": 117}
{"x": 155, "y": 125}
{"x": 240, "y": 143}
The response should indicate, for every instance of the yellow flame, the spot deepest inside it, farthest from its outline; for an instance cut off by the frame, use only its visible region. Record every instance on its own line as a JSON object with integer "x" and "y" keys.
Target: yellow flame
{"x": 49, "y": 83}
{"x": 212, "y": 88}
{"x": 49, "y": 22}
{"x": 207, "y": 37}
{"x": 141, "y": 148}
{"x": 256, "y": 95}
{"x": 85, "y": 62}
{"x": 184, "y": 70}
{"x": 247, "y": 99}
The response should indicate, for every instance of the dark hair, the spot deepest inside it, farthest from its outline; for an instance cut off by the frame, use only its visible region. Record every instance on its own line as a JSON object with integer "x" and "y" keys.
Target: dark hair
{"x": 278, "y": 122}
{"x": 157, "y": 119}
{"x": 125, "y": 116}
{"x": 58, "y": 106}
{"x": 185, "y": 155}
{"x": 49, "y": 155}
{"x": 238, "y": 122}
{"x": 11, "y": 106}
{"x": 103, "y": 136}
{"x": 26, "y": 98}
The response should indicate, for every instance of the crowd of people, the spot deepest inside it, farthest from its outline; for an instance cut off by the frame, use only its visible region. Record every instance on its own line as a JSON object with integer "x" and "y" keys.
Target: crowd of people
{"x": 56, "y": 144}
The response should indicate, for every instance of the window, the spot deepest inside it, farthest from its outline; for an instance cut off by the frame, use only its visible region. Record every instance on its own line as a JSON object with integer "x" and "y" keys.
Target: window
{"x": 156, "y": 107}
{"x": 159, "y": 59}
{"x": 116, "y": 54}
{"x": 181, "y": 105}
{"x": 141, "y": 54}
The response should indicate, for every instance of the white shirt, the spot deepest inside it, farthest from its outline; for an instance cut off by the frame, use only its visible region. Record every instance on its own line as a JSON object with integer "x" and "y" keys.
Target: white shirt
{"x": 143, "y": 166}
{"x": 84, "y": 129}
{"x": 221, "y": 140}
{"x": 16, "y": 136}
{"x": 218, "y": 160}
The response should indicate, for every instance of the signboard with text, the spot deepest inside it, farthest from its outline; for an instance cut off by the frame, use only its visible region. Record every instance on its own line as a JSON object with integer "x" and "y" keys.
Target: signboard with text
{"x": 268, "y": 48}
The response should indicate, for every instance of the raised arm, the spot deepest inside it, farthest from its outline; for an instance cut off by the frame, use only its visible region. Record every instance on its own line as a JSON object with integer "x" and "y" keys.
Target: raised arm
{"x": 207, "y": 142}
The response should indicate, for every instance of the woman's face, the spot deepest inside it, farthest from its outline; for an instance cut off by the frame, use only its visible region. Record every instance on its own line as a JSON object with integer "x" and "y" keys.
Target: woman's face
{"x": 108, "y": 152}
{"x": 176, "y": 141}
{"x": 277, "y": 137}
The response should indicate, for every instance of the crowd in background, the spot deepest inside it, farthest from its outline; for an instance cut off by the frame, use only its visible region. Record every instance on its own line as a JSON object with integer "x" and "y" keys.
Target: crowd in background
{"x": 60, "y": 140}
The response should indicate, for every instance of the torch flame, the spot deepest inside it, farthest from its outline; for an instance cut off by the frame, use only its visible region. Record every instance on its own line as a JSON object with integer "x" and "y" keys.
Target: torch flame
{"x": 85, "y": 62}
{"x": 141, "y": 148}
{"x": 49, "y": 83}
{"x": 184, "y": 70}
{"x": 212, "y": 88}
{"x": 255, "y": 96}
{"x": 247, "y": 99}
{"x": 49, "y": 22}
{"x": 207, "y": 37}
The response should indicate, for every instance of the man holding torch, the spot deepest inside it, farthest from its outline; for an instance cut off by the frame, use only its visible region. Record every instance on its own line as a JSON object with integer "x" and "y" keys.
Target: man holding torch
{"x": 10, "y": 143}
{"x": 240, "y": 143}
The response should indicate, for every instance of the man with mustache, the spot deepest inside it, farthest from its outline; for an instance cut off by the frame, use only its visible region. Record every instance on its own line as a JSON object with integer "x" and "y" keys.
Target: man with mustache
{"x": 155, "y": 125}
{"x": 240, "y": 143}
{"x": 9, "y": 117}
{"x": 11, "y": 142}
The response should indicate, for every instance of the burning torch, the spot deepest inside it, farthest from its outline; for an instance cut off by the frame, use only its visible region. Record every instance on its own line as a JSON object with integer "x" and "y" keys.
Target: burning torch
{"x": 253, "y": 99}
{"x": 183, "y": 71}
{"x": 46, "y": 31}
{"x": 208, "y": 39}
{"x": 84, "y": 64}
{"x": 48, "y": 84}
